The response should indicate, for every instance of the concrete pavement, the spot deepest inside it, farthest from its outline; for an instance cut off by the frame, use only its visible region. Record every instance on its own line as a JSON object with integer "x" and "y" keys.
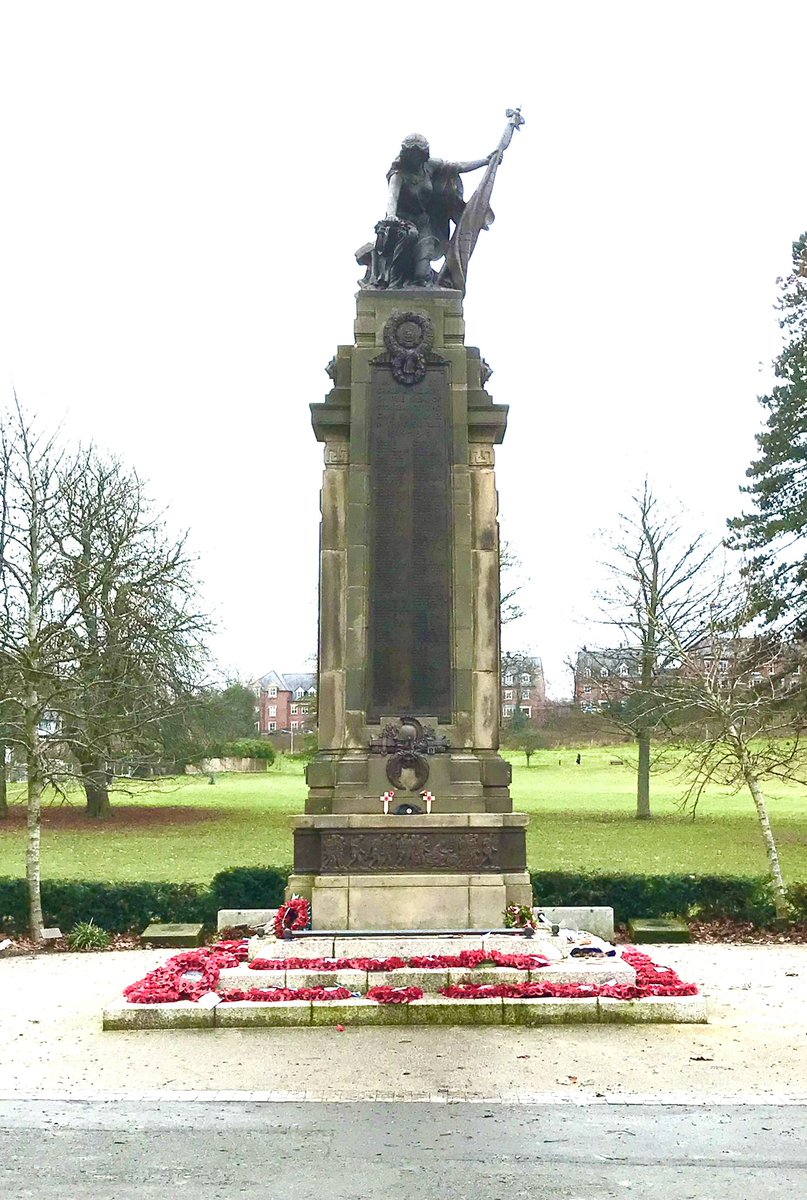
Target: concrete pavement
{"x": 754, "y": 1048}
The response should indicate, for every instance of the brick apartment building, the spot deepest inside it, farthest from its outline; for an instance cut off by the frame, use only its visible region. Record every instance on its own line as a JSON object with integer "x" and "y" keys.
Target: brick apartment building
{"x": 523, "y": 686}
{"x": 602, "y": 676}
{"x": 285, "y": 702}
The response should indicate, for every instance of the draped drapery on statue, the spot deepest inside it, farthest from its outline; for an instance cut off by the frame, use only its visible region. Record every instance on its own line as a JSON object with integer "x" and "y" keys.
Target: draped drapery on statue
{"x": 425, "y": 199}
{"x": 476, "y": 216}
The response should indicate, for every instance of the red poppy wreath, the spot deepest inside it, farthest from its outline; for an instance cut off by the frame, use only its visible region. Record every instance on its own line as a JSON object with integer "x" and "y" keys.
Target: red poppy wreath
{"x": 295, "y": 914}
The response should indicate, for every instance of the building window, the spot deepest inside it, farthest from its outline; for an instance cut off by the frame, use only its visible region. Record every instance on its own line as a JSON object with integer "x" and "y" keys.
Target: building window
{"x": 294, "y": 725}
{"x": 272, "y": 726}
{"x": 300, "y": 692}
{"x": 508, "y": 710}
{"x": 724, "y": 665}
{"x": 526, "y": 678}
{"x": 272, "y": 710}
{"x": 294, "y": 708}
{"x": 273, "y": 692}
{"x": 624, "y": 669}
{"x": 587, "y": 672}
{"x": 586, "y": 691}
{"x": 525, "y": 695}
{"x": 527, "y": 711}
{"x": 508, "y": 695}
{"x": 603, "y": 672}
{"x": 508, "y": 679}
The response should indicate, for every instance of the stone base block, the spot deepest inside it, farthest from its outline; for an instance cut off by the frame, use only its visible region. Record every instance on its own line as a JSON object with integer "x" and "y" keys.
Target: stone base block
{"x": 655, "y": 1009}
{"x": 355, "y": 981}
{"x": 431, "y": 1010}
{"x": 593, "y": 971}
{"x": 408, "y": 901}
{"x": 487, "y": 975}
{"x": 554, "y": 1010}
{"x": 252, "y": 1014}
{"x": 596, "y": 920}
{"x": 271, "y": 947}
{"x": 244, "y": 918}
{"x": 437, "y": 1010}
{"x": 427, "y": 981}
{"x": 183, "y": 1014}
{"x": 357, "y": 1012}
{"x": 173, "y": 936}
{"x": 660, "y": 929}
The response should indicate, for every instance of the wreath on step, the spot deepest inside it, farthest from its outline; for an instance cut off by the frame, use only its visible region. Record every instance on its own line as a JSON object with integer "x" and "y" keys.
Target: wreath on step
{"x": 294, "y": 914}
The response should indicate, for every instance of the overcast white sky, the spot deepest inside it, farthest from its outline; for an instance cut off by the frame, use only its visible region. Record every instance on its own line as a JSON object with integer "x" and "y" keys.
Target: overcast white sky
{"x": 185, "y": 185}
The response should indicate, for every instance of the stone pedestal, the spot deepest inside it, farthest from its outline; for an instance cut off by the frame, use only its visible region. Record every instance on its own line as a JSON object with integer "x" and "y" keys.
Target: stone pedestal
{"x": 409, "y": 633}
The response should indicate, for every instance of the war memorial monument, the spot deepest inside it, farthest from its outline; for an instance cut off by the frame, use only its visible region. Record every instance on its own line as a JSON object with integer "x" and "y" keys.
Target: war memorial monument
{"x": 409, "y": 588}
{"x": 409, "y": 851}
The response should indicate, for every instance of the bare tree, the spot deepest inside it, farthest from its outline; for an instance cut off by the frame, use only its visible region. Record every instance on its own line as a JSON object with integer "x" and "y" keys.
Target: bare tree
{"x": 136, "y": 639}
{"x": 509, "y": 565}
{"x": 735, "y": 698}
{"x": 659, "y": 582}
{"x": 33, "y": 616}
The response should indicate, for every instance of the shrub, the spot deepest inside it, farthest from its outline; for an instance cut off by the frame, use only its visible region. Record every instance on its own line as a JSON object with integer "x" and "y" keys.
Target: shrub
{"x": 244, "y": 748}
{"x": 116, "y": 907}
{"x": 706, "y": 896}
{"x": 86, "y": 935}
{"x": 249, "y": 887}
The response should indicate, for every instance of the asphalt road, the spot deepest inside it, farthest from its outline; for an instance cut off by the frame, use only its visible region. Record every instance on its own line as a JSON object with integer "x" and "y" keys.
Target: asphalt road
{"x": 122, "y": 1149}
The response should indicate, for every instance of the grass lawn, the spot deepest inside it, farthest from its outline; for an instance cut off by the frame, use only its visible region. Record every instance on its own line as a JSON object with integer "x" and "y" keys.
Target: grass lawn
{"x": 582, "y": 819}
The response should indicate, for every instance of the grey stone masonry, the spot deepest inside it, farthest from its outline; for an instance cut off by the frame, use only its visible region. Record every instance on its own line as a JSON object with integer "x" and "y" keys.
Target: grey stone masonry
{"x": 409, "y": 615}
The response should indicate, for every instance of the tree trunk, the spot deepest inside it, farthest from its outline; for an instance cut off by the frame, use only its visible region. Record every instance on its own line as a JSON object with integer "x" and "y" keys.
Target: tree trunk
{"x": 780, "y": 900}
{"x": 3, "y": 783}
{"x": 94, "y": 780}
{"x": 33, "y": 856}
{"x": 643, "y": 777}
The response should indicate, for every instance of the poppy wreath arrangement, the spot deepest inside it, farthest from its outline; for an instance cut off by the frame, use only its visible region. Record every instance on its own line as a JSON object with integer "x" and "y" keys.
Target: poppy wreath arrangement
{"x": 294, "y": 914}
{"x": 651, "y": 980}
{"x": 470, "y": 959}
{"x": 193, "y": 973}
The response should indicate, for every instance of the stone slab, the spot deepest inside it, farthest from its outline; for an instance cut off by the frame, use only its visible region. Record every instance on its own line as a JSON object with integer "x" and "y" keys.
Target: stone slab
{"x": 659, "y": 929}
{"x": 426, "y": 980}
{"x": 487, "y": 975}
{"x": 249, "y": 918}
{"x": 182, "y": 1014}
{"x": 402, "y": 947}
{"x": 260, "y": 947}
{"x": 598, "y": 920}
{"x": 439, "y": 1010}
{"x": 654, "y": 1009}
{"x": 173, "y": 935}
{"x": 242, "y": 977}
{"x": 594, "y": 971}
{"x": 553, "y": 1010}
{"x": 355, "y": 981}
{"x": 253, "y": 1014}
{"x": 357, "y": 1012}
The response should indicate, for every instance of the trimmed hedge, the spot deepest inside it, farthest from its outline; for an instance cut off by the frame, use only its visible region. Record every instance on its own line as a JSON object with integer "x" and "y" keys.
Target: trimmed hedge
{"x": 708, "y": 897}
{"x": 250, "y": 887}
{"x": 119, "y": 907}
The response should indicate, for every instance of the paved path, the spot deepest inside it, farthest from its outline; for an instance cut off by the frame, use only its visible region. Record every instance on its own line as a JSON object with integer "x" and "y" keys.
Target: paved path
{"x": 754, "y": 1049}
{"x": 123, "y": 1150}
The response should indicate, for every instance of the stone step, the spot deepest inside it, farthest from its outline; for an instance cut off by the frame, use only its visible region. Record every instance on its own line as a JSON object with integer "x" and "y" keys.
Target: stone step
{"x": 431, "y": 1010}
{"x": 403, "y": 947}
{"x": 585, "y": 971}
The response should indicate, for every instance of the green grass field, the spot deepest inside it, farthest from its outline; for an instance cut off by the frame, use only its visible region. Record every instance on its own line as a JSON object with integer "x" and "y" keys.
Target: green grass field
{"x": 582, "y": 819}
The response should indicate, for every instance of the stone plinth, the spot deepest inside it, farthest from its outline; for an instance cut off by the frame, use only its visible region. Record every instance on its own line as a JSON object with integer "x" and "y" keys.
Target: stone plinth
{"x": 409, "y": 633}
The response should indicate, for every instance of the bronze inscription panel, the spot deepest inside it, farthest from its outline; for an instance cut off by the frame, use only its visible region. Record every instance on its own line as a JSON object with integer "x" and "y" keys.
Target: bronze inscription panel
{"x": 384, "y": 852}
{"x": 410, "y": 546}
